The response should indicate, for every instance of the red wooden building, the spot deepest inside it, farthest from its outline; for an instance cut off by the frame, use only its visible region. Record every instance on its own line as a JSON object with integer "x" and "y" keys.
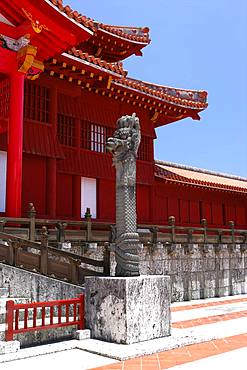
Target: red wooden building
{"x": 62, "y": 88}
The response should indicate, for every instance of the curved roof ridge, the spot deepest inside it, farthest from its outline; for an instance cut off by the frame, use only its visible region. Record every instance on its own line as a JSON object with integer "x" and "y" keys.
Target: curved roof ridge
{"x": 200, "y": 170}
{"x": 129, "y": 33}
{"x": 183, "y": 98}
{"x": 167, "y": 87}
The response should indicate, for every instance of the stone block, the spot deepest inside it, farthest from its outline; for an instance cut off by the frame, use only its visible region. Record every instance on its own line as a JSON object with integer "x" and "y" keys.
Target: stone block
{"x": 128, "y": 310}
{"x": 4, "y": 292}
{"x": 83, "y": 334}
{"x": 9, "y": 347}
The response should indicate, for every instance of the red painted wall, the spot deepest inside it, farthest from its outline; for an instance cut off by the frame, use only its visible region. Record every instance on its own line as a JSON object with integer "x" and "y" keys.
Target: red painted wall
{"x": 64, "y": 195}
{"x": 143, "y": 203}
{"x": 106, "y": 200}
{"x": 156, "y": 200}
{"x": 34, "y": 183}
{"x": 190, "y": 204}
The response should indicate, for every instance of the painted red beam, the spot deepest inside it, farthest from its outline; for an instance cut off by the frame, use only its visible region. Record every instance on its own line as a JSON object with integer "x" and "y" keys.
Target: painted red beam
{"x": 15, "y": 145}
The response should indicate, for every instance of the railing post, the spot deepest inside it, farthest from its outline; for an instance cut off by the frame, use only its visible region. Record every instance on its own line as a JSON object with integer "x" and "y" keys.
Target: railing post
{"x": 204, "y": 225}
{"x": 32, "y": 215}
{"x": 231, "y": 224}
{"x": 81, "y": 312}
{"x": 107, "y": 259}
{"x": 245, "y": 238}
{"x": 154, "y": 231}
{"x": 113, "y": 233}
{"x": 12, "y": 253}
{"x": 44, "y": 251}
{"x": 74, "y": 270}
{"x": 88, "y": 218}
{"x": 172, "y": 221}
{"x": 190, "y": 236}
{"x": 61, "y": 232}
{"x": 219, "y": 236}
{"x": 2, "y": 224}
{"x": 9, "y": 333}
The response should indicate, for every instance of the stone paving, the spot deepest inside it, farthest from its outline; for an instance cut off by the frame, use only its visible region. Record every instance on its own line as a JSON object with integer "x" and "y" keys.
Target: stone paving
{"x": 188, "y": 356}
{"x": 215, "y": 338}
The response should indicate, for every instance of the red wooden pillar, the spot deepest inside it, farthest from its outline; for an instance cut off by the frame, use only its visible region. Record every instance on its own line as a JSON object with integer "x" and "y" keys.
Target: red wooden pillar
{"x": 51, "y": 164}
{"x": 77, "y": 178}
{"x": 15, "y": 145}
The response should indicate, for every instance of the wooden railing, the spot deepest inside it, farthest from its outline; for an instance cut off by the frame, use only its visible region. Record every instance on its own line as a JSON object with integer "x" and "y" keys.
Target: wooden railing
{"x": 22, "y": 318}
{"x": 44, "y": 259}
{"x": 87, "y": 231}
{"x": 192, "y": 235}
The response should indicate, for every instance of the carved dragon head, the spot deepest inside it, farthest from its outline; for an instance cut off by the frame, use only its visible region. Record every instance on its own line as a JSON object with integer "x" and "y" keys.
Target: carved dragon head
{"x": 126, "y": 138}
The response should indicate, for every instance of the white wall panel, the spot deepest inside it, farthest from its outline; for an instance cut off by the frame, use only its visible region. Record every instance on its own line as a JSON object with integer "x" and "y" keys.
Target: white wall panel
{"x": 3, "y": 171}
{"x": 88, "y": 196}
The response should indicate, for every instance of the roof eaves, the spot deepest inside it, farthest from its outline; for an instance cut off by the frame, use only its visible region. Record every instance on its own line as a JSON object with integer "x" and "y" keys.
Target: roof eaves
{"x": 177, "y": 178}
{"x": 200, "y": 170}
{"x": 105, "y": 68}
{"x": 165, "y": 98}
{"x": 117, "y": 32}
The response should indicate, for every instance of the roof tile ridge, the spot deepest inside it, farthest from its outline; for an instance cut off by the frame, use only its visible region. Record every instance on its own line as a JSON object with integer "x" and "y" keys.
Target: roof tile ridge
{"x": 200, "y": 170}
{"x": 168, "y": 87}
{"x": 114, "y": 66}
{"x": 94, "y": 25}
{"x": 124, "y": 31}
{"x": 78, "y": 17}
{"x": 198, "y": 99}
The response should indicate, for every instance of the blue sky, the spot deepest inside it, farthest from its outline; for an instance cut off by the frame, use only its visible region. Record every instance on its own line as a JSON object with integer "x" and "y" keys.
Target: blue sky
{"x": 196, "y": 44}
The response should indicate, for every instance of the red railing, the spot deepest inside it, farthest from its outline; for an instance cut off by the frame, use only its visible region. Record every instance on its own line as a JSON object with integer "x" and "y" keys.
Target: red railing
{"x": 22, "y": 318}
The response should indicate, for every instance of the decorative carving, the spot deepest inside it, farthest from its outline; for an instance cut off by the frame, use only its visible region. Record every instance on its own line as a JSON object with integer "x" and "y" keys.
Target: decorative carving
{"x": 27, "y": 64}
{"x": 124, "y": 146}
{"x": 37, "y": 27}
{"x": 13, "y": 44}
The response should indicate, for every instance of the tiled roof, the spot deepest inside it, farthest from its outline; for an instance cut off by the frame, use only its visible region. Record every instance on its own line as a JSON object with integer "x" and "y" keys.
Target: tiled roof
{"x": 129, "y": 33}
{"x": 195, "y": 176}
{"x": 137, "y": 34}
{"x": 82, "y": 19}
{"x": 185, "y": 98}
{"x": 114, "y": 67}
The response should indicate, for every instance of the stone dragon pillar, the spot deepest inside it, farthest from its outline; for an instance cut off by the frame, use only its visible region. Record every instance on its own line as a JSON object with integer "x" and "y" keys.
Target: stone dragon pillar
{"x": 124, "y": 146}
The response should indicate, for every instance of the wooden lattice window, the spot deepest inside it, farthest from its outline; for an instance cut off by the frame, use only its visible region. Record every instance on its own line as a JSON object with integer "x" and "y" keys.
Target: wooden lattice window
{"x": 66, "y": 129}
{"x": 145, "y": 149}
{"x": 4, "y": 98}
{"x": 94, "y": 136}
{"x": 37, "y": 102}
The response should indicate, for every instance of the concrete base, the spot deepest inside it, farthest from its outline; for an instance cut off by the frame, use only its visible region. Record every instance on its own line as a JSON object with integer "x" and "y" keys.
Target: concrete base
{"x": 9, "y": 347}
{"x": 128, "y": 310}
{"x": 82, "y": 334}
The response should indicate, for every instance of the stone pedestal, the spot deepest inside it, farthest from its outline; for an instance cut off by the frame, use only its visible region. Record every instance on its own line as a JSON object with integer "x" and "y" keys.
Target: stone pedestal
{"x": 128, "y": 309}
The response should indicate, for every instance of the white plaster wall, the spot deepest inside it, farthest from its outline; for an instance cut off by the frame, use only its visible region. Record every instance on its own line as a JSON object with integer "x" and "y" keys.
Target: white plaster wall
{"x": 88, "y": 196}
{"x": 3, "y": 170}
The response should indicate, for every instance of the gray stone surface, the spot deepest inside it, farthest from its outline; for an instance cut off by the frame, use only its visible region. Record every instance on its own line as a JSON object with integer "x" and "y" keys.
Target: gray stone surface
{"x": 128, "y": 310}
{"x": 212, "y": 270}
{"x": 21, "y": 283}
